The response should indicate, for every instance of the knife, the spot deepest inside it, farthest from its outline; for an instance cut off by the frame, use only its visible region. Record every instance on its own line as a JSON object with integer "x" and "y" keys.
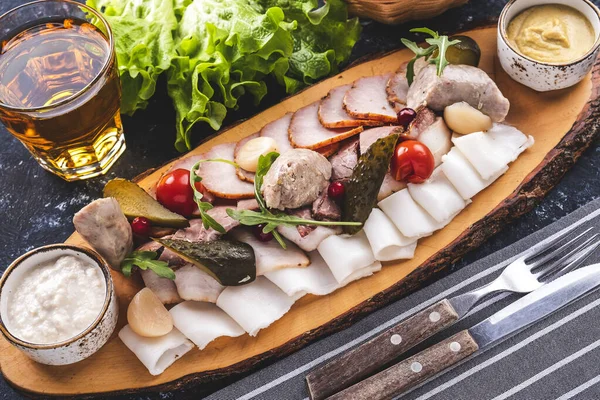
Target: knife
{"x": 435, "y": 359}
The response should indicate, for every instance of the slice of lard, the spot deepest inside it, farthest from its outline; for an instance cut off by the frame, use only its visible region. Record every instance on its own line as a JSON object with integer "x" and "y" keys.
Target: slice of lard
{"x": 463, "y": 176}
{"x": 490, "y": 152}
{"x": 408, "y": 216}
{"x": 345, "y": 255}
{"x": 387, "y": 242}
{"x": 437, "y": 196}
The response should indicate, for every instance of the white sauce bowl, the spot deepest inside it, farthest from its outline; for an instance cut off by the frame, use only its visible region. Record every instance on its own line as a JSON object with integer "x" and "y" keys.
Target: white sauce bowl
{"x": 539, "y": 75}
{"x": 81, "y": 345}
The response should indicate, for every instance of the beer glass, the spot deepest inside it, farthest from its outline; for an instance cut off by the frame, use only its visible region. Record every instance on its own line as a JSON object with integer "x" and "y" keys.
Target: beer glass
{"x": 59, "y": 87}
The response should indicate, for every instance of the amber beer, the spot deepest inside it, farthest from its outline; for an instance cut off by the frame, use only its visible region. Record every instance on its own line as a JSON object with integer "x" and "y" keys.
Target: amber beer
{"x": 60, "y": 89}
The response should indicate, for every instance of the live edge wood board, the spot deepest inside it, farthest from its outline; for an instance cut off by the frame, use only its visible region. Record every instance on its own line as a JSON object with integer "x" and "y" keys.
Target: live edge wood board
{"x": 563, "y": 123}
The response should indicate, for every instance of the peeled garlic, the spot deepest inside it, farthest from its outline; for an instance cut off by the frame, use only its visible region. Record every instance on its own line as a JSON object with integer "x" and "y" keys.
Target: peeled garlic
{"x": 147, "y": 316}
{"x": 464, "y": 119}
{"x": 247, "y": 156}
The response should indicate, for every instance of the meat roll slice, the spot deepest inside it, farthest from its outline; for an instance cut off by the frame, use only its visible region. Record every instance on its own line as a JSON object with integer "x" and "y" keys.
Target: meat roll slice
{"x": 458, "y": 83}
{"x": 333, "y": 115}
{"x": 220, "y": 178}
{"x": 307, "y": 132}
{"x": 367, "y": 99}
{"x": 242, "y": 173}
{"x": 278, "y": 130}
{"x": 104, "y": 226}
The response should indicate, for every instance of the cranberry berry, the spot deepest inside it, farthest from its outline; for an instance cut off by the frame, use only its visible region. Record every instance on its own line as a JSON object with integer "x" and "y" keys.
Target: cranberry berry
{"x": 336, "y": 190}
{"x": 141, "y": 226}
{"x": 260, "y": 235}
{"x": 406, "y": 116}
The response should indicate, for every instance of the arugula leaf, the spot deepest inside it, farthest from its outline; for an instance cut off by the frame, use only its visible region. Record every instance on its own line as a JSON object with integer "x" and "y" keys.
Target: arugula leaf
{"x": 270, "y": 219}
{"x": 436, "y": 43}
{"x": 146, "y": 260}
{"x": 203, "y": 206}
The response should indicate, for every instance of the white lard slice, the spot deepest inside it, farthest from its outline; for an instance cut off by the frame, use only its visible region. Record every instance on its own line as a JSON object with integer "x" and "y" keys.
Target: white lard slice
{"x": 369, "y": 270}
{"x": 203, "y": 322}
{"x": 194, "y": 284}
{"x": 387, "y": 242}
{"x": 346, "y": 254}
{"x": 270, "y": 256}
{"x": 157, "y": 354}
{"x": 256, "y": 305}
{"x": 437, "y": 196}
{"x": 408, "y": 216}
{"x": 465, "y": 179}
{"x": 437, "y": 138}
{"x": 315, "y": 279}
{"x": 491, "y": 152}
{"x": 311, "y": 241}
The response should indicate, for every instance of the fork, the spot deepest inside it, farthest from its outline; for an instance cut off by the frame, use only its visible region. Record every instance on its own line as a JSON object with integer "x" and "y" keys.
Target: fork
{"x": 535, "y": 267}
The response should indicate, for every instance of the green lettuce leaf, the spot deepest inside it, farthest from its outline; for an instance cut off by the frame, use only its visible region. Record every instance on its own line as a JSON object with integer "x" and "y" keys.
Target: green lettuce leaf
{"x": 214, "y": 52}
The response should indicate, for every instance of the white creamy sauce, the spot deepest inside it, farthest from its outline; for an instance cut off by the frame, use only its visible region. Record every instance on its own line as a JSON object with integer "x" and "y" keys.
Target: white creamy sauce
{"x": 56, "y": 300}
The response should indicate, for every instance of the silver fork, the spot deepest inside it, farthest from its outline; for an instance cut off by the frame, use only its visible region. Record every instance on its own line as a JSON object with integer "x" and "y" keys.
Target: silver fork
{"x": 532, "y": 269}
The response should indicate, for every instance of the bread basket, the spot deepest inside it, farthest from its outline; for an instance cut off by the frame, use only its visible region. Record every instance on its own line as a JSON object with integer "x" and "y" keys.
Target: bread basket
{"x": 398, "y": 11}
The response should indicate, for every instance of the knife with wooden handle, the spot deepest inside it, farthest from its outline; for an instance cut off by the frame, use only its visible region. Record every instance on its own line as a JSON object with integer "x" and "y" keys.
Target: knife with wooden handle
{"x": 379, "y": 351}
{"x": 435, "y": 359}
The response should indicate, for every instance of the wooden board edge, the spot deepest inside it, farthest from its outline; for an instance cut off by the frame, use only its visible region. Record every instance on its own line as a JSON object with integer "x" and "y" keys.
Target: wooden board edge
{"x": 585, "y": 130}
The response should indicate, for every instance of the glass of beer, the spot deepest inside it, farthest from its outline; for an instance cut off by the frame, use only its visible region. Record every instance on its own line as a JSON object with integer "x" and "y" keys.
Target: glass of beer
{"x": 59, "y": 87}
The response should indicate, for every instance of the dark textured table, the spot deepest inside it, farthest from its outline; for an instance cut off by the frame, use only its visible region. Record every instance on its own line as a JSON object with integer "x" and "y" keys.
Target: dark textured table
{"x": 36, "y": 207}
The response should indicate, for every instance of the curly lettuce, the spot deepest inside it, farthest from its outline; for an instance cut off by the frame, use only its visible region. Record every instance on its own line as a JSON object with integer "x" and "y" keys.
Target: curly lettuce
{"x": 213, "y": 51}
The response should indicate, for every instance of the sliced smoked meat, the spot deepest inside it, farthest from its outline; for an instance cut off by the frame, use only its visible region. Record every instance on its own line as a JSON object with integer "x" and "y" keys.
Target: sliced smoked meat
{"x": 370, "y": 136}
{"x": 307, "y": 132}
{"x": 333, "y": 115}
{"x": 397, "y": 90}
{"x": 344, "y": 161}
{"x": 242, "y": 173}
{"x": 221, "y": 178}
{"x": 367, "y": 99}
{"x": 278, "y": 130}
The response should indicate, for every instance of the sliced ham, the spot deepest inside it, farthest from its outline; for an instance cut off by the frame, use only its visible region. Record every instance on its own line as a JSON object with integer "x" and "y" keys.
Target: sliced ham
{"x": 220, "y": 178}
{"x": 367, "y": 99}
{"x": 312, "y": 239}
{"x": 328, "y": 150}
{"x": 278, "y": 130}
{"x": 163, "y": 288}
{"x": 344, "y": 161}
{"x": 306, "y": 130}
{"x": 270, "y": 256}
{"x": 242, "y": 173}
{"x": 333, "y": 115}
{"x": 423, "y": 120}
{"x": 437, "y": 137}
{"x": 397, "y": 90}
{"x": 196, "y": 232}
{"x": 370, "y": 136}
{"x": 256, "y": 305}
{"x": 204, "y": 322}
{"x": 194, "y": 284}
{"x": 247, "y": 204}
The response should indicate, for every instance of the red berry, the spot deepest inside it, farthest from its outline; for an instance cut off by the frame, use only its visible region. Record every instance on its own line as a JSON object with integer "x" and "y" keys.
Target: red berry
{"x": 141, "y": 226}
{"x": 260, "y": 235}
{"x": 406, "y": 116}
{"x": 336, "y": 190}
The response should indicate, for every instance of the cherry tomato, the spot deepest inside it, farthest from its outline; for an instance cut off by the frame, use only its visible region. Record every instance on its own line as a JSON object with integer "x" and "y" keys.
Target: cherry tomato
{"x": 141, "y": 226}
{"x": 175, "y": 193}
{"x": 412, "y": 162}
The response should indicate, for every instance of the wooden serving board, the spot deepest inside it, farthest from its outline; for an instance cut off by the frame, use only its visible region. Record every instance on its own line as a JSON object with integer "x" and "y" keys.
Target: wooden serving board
{"x": 563, "y": 123}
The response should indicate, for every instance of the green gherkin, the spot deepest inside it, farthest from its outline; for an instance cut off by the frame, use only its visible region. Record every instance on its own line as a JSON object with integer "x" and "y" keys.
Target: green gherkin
{"x": 366, "y": 180}
{"x": 230, "y": 262}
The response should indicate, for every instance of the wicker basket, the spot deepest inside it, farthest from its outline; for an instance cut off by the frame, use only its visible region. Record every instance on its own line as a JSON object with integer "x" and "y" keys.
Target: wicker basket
{"x": 398, "y": 11}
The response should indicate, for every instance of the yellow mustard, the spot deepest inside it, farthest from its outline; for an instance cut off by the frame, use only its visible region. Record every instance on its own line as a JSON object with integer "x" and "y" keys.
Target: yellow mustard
{"x": 551, "y": 33}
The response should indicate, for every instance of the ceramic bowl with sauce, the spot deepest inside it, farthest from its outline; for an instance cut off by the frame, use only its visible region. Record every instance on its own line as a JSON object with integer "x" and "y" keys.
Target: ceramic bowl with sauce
{"x": 58, "y": 304}
{"x": 544, "y": 75}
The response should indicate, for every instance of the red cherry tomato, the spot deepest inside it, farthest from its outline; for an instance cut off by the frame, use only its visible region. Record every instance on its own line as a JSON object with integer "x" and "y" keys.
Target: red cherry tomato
{"x": 412, "y": 162}
{"x": 175, "y": 193}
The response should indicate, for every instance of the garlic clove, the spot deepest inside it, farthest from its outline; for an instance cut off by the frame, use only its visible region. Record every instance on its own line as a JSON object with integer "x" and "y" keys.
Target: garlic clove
{"x": 247, "y": 156}
{"x": 464, "y": 119}
{"x": 147, "y": 316}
